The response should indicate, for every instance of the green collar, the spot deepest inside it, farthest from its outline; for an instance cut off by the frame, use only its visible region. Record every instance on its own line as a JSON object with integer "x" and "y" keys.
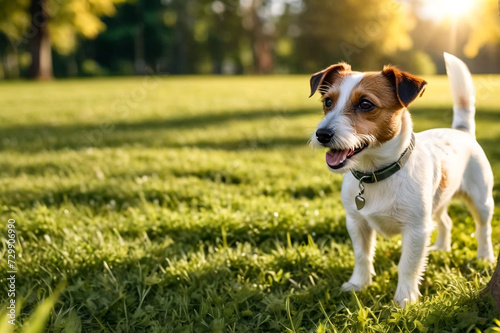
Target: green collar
{"x": 389, "y": 170}
{"x": 381, "y": 174}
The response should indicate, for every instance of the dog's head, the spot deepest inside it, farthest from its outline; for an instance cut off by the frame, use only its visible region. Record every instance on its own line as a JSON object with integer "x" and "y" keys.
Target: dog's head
{"x": 362, "y": 110}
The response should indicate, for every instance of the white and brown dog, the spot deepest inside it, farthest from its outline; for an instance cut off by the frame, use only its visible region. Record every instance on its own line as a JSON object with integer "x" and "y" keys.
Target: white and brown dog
{"x": 397, "y": 181}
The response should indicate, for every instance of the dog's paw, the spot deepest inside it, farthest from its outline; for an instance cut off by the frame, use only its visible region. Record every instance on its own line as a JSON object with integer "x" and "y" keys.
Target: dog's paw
{"x": 348, "y": 286}
{"x": 485, "y": 250}
{"x": 403, "y": 302}
{"x": 486, "y": 256}
{"x": 404, "y": 297}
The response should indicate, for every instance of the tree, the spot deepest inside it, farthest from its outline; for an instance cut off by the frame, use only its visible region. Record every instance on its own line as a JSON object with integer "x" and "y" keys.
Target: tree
{"x": 473, "y": 34}
{"x": 175, "y": 36}
{"x": 40, "y": 46}
{"x": 59, "y": 22}
{"x": 359, "y": 32}
{"x": 13, "y": 19}
{"x": 483, "y": 23}
{"x": 262, "y": 41}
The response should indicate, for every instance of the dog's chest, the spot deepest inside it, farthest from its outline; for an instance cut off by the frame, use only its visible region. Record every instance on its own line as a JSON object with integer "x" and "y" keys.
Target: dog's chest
{"x": 385, "y": 225}
{"x": 382, "y": 207}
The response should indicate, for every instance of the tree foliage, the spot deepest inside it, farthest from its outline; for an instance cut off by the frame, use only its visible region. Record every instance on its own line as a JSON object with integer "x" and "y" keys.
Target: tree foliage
{"x": 359, "y": 32}
{"x": 71, "y": 19}
{"x": 67, "y": 20}
{"x": 13, "y": 17}
{"x": 485, "y": 26}
{"x": 98, "y": 37}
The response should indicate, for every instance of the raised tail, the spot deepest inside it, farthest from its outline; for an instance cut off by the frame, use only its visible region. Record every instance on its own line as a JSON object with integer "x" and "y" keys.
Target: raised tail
{"x": 462, "y": 94}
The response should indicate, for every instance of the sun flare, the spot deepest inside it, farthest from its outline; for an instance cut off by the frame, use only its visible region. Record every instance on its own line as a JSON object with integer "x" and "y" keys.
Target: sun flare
{"x": 439, "y": 10}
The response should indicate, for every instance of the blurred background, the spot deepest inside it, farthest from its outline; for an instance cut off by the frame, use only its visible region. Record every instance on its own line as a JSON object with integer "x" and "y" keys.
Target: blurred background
{"x": 69, "y": 38}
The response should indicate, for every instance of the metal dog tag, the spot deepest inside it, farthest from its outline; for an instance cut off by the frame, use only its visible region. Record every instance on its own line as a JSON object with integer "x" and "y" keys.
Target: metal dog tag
{"x": 360, "y": 202}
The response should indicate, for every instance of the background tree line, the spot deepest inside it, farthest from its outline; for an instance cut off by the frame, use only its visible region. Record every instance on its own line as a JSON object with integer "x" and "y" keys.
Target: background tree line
{"x": 42, "y": 38}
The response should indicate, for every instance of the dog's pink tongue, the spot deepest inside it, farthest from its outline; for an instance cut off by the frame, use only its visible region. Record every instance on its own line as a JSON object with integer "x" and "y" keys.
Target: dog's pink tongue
{"x": 335, "y": 157}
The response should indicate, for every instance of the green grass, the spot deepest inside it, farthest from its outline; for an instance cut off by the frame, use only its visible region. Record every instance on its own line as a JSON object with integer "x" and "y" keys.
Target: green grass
{"x": 194, "y": 204}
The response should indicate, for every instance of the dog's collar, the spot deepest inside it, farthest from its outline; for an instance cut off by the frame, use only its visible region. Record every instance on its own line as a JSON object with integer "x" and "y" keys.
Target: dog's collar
{"x": 389, "y": 170}
{"x": 381, "y": 174}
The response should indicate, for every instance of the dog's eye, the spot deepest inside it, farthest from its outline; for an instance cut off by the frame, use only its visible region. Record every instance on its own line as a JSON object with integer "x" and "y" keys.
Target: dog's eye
{"x": 365, "y": 105}
{"x": 328, "y": 102}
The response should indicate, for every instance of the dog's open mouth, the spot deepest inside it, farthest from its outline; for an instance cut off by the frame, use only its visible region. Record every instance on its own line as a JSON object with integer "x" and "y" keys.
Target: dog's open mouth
{"x": 336, "y": 159}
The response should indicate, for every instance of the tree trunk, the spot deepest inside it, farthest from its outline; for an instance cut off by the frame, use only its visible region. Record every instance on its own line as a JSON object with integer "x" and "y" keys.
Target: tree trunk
{"x": 139, "y": 53}
{"x": 40, "y": 46}
{"x": 8, "y": 57}
{"x": 494, "y": 284}
{"x": 11, "y": 65}
{"x": 182, "y": 52}
{"x": 262, "y": 43}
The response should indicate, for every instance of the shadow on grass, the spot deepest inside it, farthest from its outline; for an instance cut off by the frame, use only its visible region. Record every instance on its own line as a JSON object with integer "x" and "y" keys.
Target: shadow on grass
{"x": 157, "y": 132}
{"x": 293, "y": 286}
{"x": 153, "y": 132}
{"x": 467, "y": 312}
{"x": 99, "y": 197}
{"x": 191, "y": 296}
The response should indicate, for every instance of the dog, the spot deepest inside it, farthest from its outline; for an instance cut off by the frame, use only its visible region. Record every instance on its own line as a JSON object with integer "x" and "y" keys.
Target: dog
{"x": 397, "y": 181}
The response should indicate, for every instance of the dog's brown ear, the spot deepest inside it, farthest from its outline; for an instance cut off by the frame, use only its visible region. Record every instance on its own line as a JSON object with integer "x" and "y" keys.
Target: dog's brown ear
{"x": 327, "y": 75}
{"x": 408, "y": 87}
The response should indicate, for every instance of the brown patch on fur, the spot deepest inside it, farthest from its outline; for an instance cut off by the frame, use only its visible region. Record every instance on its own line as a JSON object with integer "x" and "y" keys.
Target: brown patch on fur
{"x": 384, "y": 121}
{"x": 324, "y": 79}
{"x": 443, "y": 183}
{"x": 407, "y": 86}
{"x": 463, "y": 102}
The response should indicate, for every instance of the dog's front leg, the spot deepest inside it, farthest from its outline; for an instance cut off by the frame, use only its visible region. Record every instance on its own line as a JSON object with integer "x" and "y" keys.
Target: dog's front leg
{"x": 413, "y": 260}
{"x": 363, "y": 242}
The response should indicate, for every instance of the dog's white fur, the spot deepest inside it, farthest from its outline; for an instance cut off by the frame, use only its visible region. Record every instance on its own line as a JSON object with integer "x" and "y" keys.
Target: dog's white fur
{"x": 411, "y": 200}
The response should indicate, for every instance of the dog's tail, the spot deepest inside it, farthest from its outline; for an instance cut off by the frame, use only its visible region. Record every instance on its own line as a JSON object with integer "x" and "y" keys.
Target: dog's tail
{"x": 462, "y": 94}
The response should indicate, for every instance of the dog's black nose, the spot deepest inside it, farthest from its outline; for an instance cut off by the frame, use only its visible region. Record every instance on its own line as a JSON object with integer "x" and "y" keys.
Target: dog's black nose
{"x": 324, "y": 135}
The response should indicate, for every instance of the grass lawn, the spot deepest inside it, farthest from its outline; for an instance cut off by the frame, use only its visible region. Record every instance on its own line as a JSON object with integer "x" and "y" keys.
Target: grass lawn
{"x": 194, "y": 204}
